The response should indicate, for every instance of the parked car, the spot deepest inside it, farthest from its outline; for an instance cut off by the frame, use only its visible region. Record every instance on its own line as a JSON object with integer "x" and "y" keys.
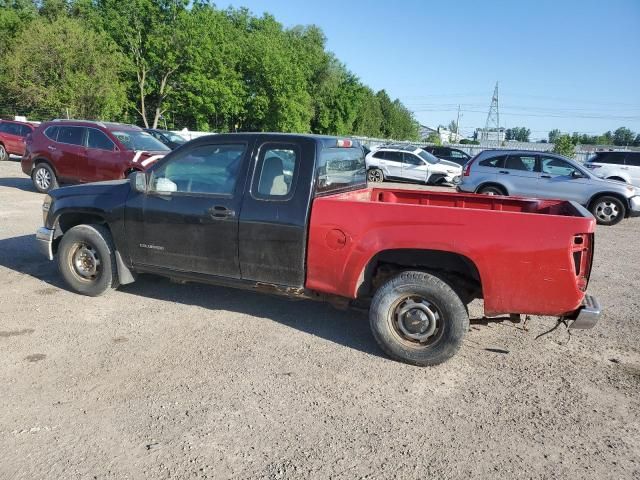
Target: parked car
{"x": 450, "y": 154}
{"x": 621, "y": 166}
{"x": 79, "y": 151}
{"x": 546, "y": 175}
{"x": 411, "y": 164}
{"x": 170, "y": 139}
{"x": 224, "y": 209}
{"x": 12, "y": 137}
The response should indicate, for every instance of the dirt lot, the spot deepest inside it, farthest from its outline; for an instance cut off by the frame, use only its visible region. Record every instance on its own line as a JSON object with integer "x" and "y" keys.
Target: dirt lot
{"x": 159, "y": 380}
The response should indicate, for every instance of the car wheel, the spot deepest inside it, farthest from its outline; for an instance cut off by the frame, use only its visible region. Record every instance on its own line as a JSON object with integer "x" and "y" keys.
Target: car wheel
{"x": 491, "y": 190}
{"x": 417, "y": 318}
{"x": 3, "y": 154}
{"x": 375, "y": 175}
{"x": 44, "y": 178}
{"x": 87, "y": 261}
{"x": 608, "y": 210}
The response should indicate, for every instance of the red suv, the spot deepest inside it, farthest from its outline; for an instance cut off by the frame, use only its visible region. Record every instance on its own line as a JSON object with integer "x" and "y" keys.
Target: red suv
{"x": 12, "y": 136}
{"x": 78, "y": 151}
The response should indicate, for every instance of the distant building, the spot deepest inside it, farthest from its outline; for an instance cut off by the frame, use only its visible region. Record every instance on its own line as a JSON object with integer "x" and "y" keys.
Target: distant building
{"x": 445, "y": 135}
{"x": 490, "y": 135}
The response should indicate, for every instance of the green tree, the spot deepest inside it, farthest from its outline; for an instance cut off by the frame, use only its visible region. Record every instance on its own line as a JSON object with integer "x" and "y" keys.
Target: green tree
{"x": 554, "y": 135}
{"x": 519, "y": 134}
{"x": 623, "y": 136}
{"x": 78, "y": 72}
{"x": 564, "y": 146}
{"x": 434, "y": 138}
{"x": 156, "y": 36}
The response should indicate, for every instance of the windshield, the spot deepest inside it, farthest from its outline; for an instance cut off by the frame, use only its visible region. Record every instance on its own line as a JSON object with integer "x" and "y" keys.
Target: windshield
{"x": 174, "y": 137}
{"x": 139, "y": 140}
{"x": 428, "y": 157}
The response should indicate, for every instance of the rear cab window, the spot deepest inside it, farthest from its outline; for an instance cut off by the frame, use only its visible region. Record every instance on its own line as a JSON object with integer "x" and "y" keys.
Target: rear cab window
{"x": 633, "y": 159}
{"x": 340, "y": 166}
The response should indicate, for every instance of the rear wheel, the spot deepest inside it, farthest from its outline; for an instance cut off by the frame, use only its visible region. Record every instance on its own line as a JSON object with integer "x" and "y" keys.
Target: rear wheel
{"x": 375, "y": 175}
{"x": 87, "y": 261}
{"x": 492, "y": 190}
{"x": 608, "y": 210}
{"x": 417, "y": 318}
{"x": 3, "y": 154}
{"x": 44, "y": 178}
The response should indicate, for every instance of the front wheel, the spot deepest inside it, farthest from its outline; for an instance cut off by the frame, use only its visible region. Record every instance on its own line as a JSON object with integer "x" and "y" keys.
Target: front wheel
{"x": 87, "y": 261}
{"x": 417, "y": 318}
{"x": 3, "y": 154}
{"x": 44, "y": 178}
{"x": 608, "y": 210}
{"x": 375, "y": 175}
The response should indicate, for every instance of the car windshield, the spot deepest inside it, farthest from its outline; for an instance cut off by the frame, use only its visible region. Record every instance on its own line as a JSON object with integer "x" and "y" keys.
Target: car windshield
{"x": 139, "y": 140}
{"x": 428, "y": 157}
{"x": 174, "y": 137}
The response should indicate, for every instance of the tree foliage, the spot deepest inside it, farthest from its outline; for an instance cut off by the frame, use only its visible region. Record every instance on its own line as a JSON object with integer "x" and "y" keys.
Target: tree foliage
{"x": 185, "y": 63}
{"x": 622, "y": 137}
{"x": 70, "y": 70}
{"x": 564, "y": 146}
{"x": 519, "y": 134}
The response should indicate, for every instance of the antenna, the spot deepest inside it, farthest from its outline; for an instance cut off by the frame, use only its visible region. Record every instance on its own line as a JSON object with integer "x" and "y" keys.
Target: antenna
{"x": 493, "y": 118}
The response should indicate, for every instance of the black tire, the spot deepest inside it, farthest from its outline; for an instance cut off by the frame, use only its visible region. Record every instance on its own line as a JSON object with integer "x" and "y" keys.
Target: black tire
{"x": 87, "y": 260}
{"x": 375, "y": 175}
{"x": 411, "y": 292}
{"x": 608, "y": 210}
{"x": 4, "y": 156}
{"x": 44, "y": 178}
{"x": 492, "y": 190}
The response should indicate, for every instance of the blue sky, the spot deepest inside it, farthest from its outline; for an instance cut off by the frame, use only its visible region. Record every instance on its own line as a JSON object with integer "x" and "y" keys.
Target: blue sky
{"x": 567, "y": 64}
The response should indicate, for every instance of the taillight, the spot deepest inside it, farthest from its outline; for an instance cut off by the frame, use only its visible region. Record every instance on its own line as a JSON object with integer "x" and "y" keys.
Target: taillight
{"x": 467, "y": 169}
{"x": 582, "y": 252}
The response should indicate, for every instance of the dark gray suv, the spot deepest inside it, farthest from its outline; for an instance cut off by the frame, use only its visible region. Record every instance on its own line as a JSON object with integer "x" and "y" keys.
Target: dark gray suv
{"x": 547, "y": 175}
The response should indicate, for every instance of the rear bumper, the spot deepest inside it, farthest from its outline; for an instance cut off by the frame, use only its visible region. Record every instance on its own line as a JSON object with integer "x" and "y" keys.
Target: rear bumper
{"x": 44, "y": 239}
{"x": 634, "y": 206}
{"x": 588, "y": 314}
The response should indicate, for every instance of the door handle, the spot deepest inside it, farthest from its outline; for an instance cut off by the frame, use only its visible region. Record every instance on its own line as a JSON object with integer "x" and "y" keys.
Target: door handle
{"x": 51, "y": 148}
{"x": 220, "y": 212}
{"x": 503, "y": 172}
{"x": 545, "y": 176}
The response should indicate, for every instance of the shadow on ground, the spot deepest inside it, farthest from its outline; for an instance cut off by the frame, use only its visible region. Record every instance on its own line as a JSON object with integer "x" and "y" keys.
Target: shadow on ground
{"x": 347, "y": 328}
{"x": 19, "y": 183}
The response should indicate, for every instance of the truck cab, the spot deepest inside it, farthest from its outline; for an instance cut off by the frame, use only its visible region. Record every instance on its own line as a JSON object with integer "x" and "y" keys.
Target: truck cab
{"x": 292, "y": 215}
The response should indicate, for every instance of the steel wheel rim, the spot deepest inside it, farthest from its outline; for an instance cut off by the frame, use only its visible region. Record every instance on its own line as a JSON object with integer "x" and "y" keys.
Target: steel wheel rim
{"x": 43, "y": 178}
{"x": 417, "y": 321}
{"x": 85, "y": 261}
{"x": 375, "y": 175}
{"x": 607, "y": 211}
{"x": 3, "y": 153}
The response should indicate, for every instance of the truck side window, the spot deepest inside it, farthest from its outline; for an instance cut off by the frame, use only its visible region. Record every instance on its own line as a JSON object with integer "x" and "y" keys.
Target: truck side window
{"x": 275, "y": 172}
{"x": 209, "y": 169}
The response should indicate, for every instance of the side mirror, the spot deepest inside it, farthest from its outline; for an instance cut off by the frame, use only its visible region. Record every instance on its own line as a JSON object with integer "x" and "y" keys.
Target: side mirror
{"x": 576, "y": 174}
{"x": 138, "y": 181}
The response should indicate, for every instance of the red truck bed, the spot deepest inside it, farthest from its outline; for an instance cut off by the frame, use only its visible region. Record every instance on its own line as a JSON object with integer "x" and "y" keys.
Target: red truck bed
{"x": 533, "y": 256}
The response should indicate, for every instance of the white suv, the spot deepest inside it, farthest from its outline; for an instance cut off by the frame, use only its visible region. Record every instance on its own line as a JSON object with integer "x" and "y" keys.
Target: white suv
{"x": 410, "y": 163}
{"x": 621, "y": 166}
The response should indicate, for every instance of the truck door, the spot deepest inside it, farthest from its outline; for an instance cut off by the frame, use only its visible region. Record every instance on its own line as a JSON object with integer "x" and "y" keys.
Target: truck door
{"x": 275, "y": 212}
{"x": 188, "y": 219}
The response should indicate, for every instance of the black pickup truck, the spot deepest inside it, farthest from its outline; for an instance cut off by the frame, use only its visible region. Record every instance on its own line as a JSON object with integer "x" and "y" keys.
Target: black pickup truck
{"x": 292, "y": 214}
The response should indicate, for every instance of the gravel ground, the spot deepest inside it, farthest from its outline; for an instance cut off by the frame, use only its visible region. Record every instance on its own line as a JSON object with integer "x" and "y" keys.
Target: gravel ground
{"x": 160, "y": 380}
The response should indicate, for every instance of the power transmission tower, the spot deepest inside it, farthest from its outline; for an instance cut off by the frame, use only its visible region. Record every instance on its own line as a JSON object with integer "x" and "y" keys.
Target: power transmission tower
{"x": 493, "y": 118}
